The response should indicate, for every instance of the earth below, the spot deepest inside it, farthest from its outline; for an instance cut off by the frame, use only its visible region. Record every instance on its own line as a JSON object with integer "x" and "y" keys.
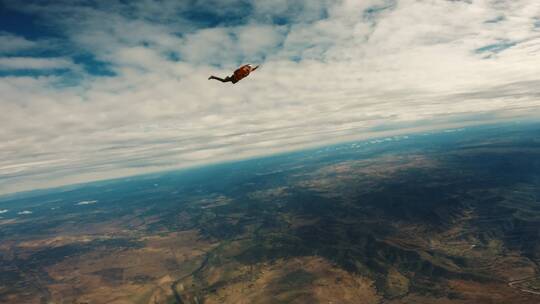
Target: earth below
{"x": 443, "y": 217}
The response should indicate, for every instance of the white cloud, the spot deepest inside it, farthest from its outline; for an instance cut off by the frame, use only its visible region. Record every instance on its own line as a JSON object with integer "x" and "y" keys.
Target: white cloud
{"x": 257, "y": 40}
{"x": 29, "y": 63}
{"x": 86, "y": 203}
{"x": 10, "y": 43}
{"x": 335, "y": 70}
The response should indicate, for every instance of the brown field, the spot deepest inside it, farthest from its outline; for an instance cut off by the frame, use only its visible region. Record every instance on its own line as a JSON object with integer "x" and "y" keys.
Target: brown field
{"x": 296, "y": 280}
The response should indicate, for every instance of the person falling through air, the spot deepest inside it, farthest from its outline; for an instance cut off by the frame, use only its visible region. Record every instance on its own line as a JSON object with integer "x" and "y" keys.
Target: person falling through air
{"x": 239, "y": 74}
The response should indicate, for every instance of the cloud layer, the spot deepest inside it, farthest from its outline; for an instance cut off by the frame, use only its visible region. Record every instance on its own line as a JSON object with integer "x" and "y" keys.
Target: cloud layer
{"x": 113, "y": 89}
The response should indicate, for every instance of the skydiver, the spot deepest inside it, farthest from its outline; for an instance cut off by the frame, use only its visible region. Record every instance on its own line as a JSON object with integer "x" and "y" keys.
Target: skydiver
{"x": 239, "y": 74}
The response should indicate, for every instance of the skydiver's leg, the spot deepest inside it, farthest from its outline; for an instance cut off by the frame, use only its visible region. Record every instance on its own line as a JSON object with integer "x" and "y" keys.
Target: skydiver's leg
{"x": 216, "y": 78}
{"x": 227, "y": 79}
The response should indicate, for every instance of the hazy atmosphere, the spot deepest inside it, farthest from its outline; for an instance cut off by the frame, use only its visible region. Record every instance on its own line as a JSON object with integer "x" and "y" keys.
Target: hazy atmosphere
{"x": 98, "y": 89}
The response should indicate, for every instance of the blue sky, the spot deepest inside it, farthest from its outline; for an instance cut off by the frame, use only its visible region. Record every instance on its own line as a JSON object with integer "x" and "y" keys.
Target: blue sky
{"x": 101, "y": 89}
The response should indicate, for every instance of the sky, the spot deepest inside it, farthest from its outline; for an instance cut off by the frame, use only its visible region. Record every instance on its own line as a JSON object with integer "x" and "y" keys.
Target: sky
{"x": 101, "y": 89}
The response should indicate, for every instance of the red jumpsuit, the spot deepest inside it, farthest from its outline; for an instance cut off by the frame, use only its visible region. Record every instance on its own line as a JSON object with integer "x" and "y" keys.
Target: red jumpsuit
{"x": 241, "y": 72}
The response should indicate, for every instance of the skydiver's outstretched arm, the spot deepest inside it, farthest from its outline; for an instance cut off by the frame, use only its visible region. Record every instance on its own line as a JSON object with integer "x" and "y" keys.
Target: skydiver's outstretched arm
{"x": 227, "y": 79}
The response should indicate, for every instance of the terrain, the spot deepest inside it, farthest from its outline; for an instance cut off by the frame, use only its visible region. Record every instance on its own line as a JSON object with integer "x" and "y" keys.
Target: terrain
{"x": 442, "y": 217}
